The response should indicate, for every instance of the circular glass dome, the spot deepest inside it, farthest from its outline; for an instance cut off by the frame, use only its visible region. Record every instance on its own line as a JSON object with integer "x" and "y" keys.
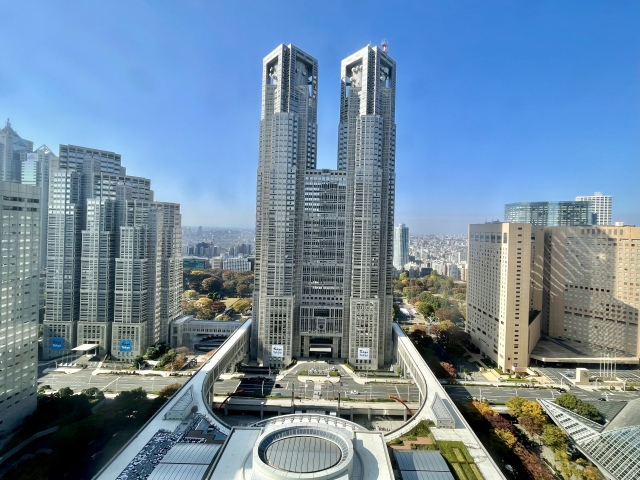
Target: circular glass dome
{"x": 304, "y": 450}
{"x": 302, "y": 454}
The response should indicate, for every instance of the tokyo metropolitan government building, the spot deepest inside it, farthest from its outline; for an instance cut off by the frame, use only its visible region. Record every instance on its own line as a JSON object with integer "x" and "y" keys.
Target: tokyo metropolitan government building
{"x": 324, "y": 238}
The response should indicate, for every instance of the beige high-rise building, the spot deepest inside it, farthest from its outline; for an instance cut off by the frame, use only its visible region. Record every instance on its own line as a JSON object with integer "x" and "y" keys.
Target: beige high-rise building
{"x": 579, "y": 285}
{"x": 593, "y": 286}
{"x": 504, "y": 298}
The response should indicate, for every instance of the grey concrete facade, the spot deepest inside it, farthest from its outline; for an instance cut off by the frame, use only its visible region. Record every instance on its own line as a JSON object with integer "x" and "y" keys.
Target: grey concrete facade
{"x": 114, "y": 268}
{"x": 324, "y": 238}
{"x": 19, "y": 272}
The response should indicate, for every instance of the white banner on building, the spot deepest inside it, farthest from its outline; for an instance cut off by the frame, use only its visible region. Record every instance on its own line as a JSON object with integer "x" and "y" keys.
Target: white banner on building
{"x": 277, "y": 351}
{"x": 363, "y": 354}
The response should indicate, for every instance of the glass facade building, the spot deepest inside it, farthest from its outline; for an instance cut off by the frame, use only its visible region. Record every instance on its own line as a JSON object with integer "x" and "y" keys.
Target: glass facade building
{"x": 549, "y": 214}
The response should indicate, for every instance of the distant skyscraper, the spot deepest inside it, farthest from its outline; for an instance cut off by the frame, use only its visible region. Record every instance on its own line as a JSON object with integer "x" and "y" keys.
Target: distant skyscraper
{"x": 12, "y": 151}
{"x": 544, "y": 214}
{"x": 324, "y": 244}
{"x": 114, "y": 257}
{"x": 19, "y": 273}
{"x": 600, "y": 207}
{"x": 35, "y": 171}
{"x": 400, "y": 246}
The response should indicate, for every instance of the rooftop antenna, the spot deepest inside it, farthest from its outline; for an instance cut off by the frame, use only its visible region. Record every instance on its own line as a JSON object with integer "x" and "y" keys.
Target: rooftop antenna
{"x": 385, "y": 45}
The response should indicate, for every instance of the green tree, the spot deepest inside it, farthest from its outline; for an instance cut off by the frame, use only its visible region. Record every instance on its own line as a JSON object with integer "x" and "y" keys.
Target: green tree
{"x": 138, "y": 362}
{"x": 130, "y": 402}
{"x": 224, "y": 318}
{"x": 168, "y": 390}
{"x": 532, "y": 424}
{"x": 190, "y": 295}
{"x": 241, "y": 306}
{"x": 64, "y": 392}
{"x": 515, "y": 404}
{"x": 204, "y": 308}
{"x": 93, "y": 393}
{"x": 211, "y": 285}
{"x": 554, "y": 438}
{"x": 242, "y": 289}
{"x": 219, "y": 307}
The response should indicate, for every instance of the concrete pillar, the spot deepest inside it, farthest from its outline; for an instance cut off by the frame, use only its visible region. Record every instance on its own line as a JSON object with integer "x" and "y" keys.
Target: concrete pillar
{"x": 226, "y": 412}
{"x": 369, "y": 413}
{"x": 351, "y": 413}
{"x": 404, "y": 411}
{"x": 279, "y": 409}
{"x": 334, "y": 348}
{"x": 261, "y": 410}
{"x": 305, "y": 347}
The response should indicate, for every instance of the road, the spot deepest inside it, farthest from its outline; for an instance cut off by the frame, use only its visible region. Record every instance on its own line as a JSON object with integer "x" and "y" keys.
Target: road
{"x": 328, "y": 387}
{"x": 502, "y": 394}
{"x": 83, "y": 379}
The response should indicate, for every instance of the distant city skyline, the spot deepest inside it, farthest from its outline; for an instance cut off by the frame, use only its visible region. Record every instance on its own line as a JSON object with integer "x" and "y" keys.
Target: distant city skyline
{"x": 499, "y": 102}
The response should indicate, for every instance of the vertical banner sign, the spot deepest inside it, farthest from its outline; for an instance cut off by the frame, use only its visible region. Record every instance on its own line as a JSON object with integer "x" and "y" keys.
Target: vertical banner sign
{"x": 57, "y": 343}
{"x": 277, "y": 351}
{"x": 126, "y": 345}
{"x": 363, "y": 353}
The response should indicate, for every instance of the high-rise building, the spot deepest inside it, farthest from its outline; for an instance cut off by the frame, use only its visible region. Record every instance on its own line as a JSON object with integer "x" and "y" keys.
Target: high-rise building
{"x": 544, "y": 214}
{"x": 577, "y": 283}
{"x": 13, "y": 148}
{"x": 324, "y": 238}
{"x": 114, "y": 270}
{"x": 36, "y": 168}
{"x": 600, "y": 207}
{"x": 400, "y": 246}
{"x": 19, "y": 277}
{"x": 592, "y": 286}
{"x": 504, "y": 291}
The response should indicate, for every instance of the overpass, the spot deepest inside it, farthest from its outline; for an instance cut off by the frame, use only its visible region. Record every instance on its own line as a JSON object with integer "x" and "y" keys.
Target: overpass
{"x": 197, "y": 396}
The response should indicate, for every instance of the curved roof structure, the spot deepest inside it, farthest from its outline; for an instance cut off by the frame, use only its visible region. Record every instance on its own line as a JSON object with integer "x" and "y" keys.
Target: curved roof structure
{"x": 615, "y": 451}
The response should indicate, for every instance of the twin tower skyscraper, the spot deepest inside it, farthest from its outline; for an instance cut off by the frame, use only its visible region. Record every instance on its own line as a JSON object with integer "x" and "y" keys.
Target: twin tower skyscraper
{"x": 324, "y": 238}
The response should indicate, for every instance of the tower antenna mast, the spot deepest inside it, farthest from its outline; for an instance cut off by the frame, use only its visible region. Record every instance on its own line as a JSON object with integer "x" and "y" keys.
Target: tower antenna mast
{"x": 385, "y": 45}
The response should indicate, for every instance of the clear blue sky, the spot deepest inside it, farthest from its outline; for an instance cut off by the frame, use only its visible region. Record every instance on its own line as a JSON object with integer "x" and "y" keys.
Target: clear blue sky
{"x": 497, "y": 101}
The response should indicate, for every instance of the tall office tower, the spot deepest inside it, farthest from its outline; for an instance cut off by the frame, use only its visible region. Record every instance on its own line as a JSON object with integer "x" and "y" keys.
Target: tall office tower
{"x": 64, "y": 237}
{"x": 97, "y": 274}
{"x": 544, "y": 214}
{"x": 111, "y": 257}
{"x": 13, "y": 148}
{"x": 504, "y": 291}
{"x": 169, "y": 222}
{"x": 19, "y": 272}
{"x": 366, "y": 151}
{"x": 400, "y": 246}
{"x": 600, "y": 207}
{"x": 592, "y": 286}
{"x": 324, "y": 242}
{"x": 287, "y": 147}
{"x": 35, "y": 171}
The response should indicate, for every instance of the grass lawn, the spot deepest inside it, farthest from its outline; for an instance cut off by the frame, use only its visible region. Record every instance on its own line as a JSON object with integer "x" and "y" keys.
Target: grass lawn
{"x": 230, "y": 301}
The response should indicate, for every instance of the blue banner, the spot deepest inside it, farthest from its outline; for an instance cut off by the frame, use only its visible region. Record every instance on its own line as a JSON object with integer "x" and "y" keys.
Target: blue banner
{"x": 57, "y": 343}
{"x": 126, "y": 345}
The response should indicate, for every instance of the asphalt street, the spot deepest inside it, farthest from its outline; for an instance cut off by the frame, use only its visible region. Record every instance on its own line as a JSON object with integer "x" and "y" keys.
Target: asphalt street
{"x": 502, "y": 394}
{"x": 116, "y": 383}
{"x": 328, "y": 387}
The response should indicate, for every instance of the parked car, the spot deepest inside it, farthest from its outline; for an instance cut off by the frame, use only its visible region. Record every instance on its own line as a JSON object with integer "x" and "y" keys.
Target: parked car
{"x": 354, "y": 392}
